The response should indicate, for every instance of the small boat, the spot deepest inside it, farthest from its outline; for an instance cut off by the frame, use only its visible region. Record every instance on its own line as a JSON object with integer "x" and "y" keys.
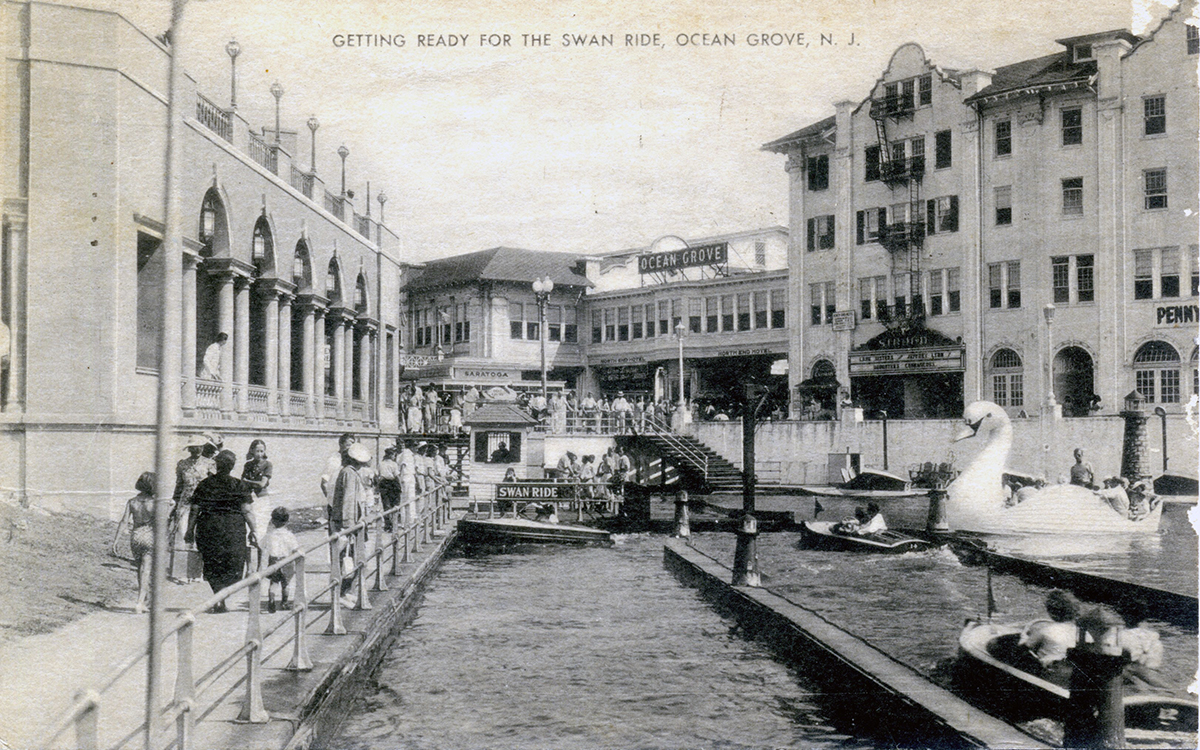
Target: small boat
{"x": 868, "y": 484}
{"x": 507, "y": 531}
{"x": 986, "y": 656}
{"x": 820, "y": 535}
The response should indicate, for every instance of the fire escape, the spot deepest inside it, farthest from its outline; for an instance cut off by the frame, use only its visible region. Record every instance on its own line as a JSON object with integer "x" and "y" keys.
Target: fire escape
{"x": 903, "y": 236}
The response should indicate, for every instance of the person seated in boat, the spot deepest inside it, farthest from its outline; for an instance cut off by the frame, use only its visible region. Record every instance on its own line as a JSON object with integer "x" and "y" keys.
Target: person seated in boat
{"x": 851, "y": 524}
{"x": 874, "y": 523}
{"x": 1116, "y": 494}
{"x": 546, "y": 513}
{"x": 1047, "y": 641}
{"x": 1141, "y": 644}
{"x": 1142, "y": 500}
{"x": 1082, "y": 473}
{"x": 1023, "y": 493}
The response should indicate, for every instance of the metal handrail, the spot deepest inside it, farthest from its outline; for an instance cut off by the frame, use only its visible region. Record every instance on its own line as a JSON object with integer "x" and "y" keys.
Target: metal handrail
{"x": 84, "y": 713}
{"x": 693, "y": 454}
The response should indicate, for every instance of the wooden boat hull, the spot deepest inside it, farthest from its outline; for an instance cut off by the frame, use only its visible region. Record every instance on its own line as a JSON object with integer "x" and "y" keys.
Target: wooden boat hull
{"x": 508, "y": 531}
{"x": 820, "y": 535}
{"x": 809, "y": 489}
{"x": 1151, "y": 719}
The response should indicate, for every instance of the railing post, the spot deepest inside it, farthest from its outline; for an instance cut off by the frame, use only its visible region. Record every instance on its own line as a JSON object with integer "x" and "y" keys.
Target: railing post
{"x": 300, "y": 661}
{"x": 253, "y": 710}
{"x": 407, "y": 543}
{"x": 185, "y": 684}
{"x": 87, "y": 723}
{"x": 360, "y": 566}
{"x": 396, "y": 547}
{"x": 380, "y": 583}
{"x": 335, "y": 626}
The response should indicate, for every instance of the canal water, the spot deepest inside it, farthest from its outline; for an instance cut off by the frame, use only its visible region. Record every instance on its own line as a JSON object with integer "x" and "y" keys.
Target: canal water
{"x": 586, "y": 648}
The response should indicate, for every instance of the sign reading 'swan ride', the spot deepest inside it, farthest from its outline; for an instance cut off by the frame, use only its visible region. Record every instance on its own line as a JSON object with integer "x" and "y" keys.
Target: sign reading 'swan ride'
{"x": 688, "y": 257}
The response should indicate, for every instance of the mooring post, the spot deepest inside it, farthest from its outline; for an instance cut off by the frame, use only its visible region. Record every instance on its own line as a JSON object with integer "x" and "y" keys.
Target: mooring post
{"x": 745, "y": 556}
{"x": 936, "y": 521}
{"x": 1096, "y": 712}
{"x": 682, "y": 522}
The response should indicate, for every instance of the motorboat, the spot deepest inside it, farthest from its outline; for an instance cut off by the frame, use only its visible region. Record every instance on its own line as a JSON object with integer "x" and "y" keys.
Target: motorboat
{"x": 868, "y": 484}
{"x": 509, "y": 531}
{"x": 989, "y": 656}
{"x": 977, "y": 499}
{"x": 821, "y": 535}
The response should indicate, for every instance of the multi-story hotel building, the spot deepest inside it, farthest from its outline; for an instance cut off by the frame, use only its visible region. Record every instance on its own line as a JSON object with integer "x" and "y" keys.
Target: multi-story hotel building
{"x": 1004, "y": 234}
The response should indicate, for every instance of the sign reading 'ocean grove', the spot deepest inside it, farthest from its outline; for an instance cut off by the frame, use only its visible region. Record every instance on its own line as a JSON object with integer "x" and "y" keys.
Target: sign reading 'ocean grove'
{"x": 688, "y": 257}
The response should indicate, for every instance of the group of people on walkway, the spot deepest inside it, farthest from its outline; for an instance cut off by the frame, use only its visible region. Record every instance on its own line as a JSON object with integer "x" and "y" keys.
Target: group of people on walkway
{"x": 602, "y": 481}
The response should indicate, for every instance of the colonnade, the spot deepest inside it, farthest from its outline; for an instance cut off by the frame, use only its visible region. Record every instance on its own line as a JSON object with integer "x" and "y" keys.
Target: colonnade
{"x": 233, "y": 393}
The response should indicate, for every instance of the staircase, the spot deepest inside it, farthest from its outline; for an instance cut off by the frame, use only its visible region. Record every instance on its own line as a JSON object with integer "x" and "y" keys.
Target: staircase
{"x": 704, "y": 469}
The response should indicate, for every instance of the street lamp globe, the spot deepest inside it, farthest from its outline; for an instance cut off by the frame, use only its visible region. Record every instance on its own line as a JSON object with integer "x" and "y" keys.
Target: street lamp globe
{"x": 313, "y": 123}
{"x": 277, "y": 92}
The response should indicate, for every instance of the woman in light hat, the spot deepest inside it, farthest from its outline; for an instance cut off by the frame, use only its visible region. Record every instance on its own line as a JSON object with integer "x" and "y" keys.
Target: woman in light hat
{"x": 189, "y": 472}
{"x": 349, "y": 503}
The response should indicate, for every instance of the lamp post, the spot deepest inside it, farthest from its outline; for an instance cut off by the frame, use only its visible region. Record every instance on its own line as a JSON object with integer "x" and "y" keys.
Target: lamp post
{"x": 1162, "y": 414}
{"x": 313, "y": 124}
{"x": 343, "y": 152}
{"x": 541, "y": 292}
{"x": 277, "y": 92}
{"x": 382, "y": 198}
{"x": 883, "y": 418}
{"x": 1048, "y": 311}
{"x": 679, "y": 334}
{"x": 233, "y": 49}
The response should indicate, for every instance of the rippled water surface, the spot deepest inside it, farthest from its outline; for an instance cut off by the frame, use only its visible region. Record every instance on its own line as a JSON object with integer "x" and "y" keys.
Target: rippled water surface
{"x": 586, "y": 648}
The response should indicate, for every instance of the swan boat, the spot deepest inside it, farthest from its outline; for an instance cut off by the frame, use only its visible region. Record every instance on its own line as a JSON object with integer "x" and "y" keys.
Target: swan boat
{"x": 986, "y": 669}
{"x": 975, "y": 501}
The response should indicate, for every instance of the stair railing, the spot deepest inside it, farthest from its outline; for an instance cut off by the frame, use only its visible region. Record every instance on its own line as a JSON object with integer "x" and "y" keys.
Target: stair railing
{"x": 691, "y": 453}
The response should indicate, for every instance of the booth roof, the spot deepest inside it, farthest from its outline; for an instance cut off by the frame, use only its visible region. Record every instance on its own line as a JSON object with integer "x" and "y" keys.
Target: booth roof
{"x": 501, "y": 264}
{"x": 499, "y": 414}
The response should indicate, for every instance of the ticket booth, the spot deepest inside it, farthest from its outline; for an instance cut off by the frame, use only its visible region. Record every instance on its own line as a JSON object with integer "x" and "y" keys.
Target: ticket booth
{"x": 503, "y": 437}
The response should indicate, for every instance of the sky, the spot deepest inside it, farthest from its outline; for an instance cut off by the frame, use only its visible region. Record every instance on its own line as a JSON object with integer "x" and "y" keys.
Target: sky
{"x": 583, "y": 148}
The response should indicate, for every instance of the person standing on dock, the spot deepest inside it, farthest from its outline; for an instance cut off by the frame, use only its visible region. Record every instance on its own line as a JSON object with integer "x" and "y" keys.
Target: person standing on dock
{"x": 389, "y": 484}
{"x": 334, "y": 464}
{"x": 408, "y": 484}
{"x": 348, "y": 503}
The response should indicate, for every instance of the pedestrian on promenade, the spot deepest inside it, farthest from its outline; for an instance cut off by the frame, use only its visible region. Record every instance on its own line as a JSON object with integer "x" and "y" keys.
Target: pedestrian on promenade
{"x": 347, "y": 506}
{"x": 189, "y": 472}
{"x": 257, "y": 473}
{"x": 220, "y": 520}
{"x": 334, "y": 464}
{"x": 415, "y": 421}
{"x": 389, "y": 484}
{"x": 140, "y": 512}
{"x": 277, "y": 544}
{"x": 408, "y": 484}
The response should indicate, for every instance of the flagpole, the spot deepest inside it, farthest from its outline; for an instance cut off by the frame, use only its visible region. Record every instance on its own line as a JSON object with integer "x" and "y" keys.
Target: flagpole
{"x": 168, "y": 372}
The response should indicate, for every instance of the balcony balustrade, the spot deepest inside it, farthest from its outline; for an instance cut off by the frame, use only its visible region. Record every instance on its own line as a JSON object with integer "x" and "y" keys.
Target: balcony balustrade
{"x": 302, "y": 181}
{"x": 214, "y": 118}
{"x": 265, "y": 154}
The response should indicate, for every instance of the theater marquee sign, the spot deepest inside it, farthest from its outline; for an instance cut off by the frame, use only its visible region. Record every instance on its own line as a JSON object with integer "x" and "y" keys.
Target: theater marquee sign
{"x": 907, "y": 362}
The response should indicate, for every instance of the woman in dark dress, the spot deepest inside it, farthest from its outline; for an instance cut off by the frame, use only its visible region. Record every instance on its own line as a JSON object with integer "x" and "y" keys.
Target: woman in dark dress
{"x": 219, "y": 522}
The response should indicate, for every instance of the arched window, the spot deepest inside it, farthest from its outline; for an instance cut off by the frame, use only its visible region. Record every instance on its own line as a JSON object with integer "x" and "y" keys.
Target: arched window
{"x": 1008, "y": 380}
{"x": 823, "y": 368}
{"x": 262, "y": 247}
{"x": 360, "y": 294}
{"x": 333, "y": 285}
{"x": 211, "y": 230}
{"x": 301, "y": 268}
{"x": 1156, "y": 372}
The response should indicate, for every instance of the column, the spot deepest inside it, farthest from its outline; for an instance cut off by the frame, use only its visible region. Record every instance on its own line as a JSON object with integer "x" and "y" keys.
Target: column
{"x": 308, "y": 353}
{"x": 364, "y": 370}
{"x": 271, "y": 355}
{"x": 188, "y": 338}
{"x": 283, "y": 383}
{"x": 225, "y": 325}
{"x": 318, "y": 362}
{"x": 241, "y": 342}
{"x": 337, "y": 354}
{"x": 348, "y": 366}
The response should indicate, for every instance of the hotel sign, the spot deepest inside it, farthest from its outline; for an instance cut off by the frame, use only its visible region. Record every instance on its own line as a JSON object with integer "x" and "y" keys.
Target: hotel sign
{"x": 487, "y": 375}
{"x": 844, "y": 320}
{"x": 532, "y": 491}
{"x": 688, "y": 257}
{"x": 907, "y": 362}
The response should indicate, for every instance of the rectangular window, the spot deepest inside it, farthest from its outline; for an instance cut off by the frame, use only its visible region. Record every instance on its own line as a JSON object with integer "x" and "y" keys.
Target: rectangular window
{"x": 1194, "y": 254}
{"x": 664, "y": 318}
{"x": 1072, "y": 196}
{"x": 1014, "y": 284}
{"x": 649, "y": 320}
{"x": 820, "y": 233}
{"x": 778, "y": 307}
{"x": 570, "y": 327}
{"x": 695, "y": 317}
{"x": 743, "y": 312}
{"x": 1085, "y": 278}
{"x": 1143, "y": 381}
{"x": 1193, "y": 39}
{"x": 906, "y": 98}
{"x": 1016, "y": 390}
{"x": 1003, "y": 137}
{"x": 149, "y": 302}
{"x": 610, "y": 325}
{"x": 917, "y": 148}
{"x": 1072, "y": 126}
{"x": 760, "y": 253}
{"x": 1168, "y": 280}
{"x": 935, "y": 293}
{"x": 925, "y": 90}
{"x": 760, "y": 309}
{"x": 711, "y": 315}
{"x": 1154, "y": 118}
{"x": 1004, "y": 205}
{"x": 637, "y": 321}
{"x": 830, "y": 302}
{"x": 1143, "y": 274}
{"x": 942, "y": 214}
{"x": 900, "y": 285}
{"x": 869, "y": 222}
{"x": 1169, "y": 386}
{"x": 871, "y": 163}
{"x": 1060, "y": 278}
{"x": 897, "y": 155}
{"x": 622, "y": 324}
{"x": 597, "y": 330}
{"x": 818, "y": 172}
{"x": 942, "y": 150}
{"x": 676, "y": 314}
{"x": 533, "y": 330}
{"x": 727, "y": 313}
{"x": 554, "y": 315}
{"x": 953, "y": 290}
{"x": 1000, "y": 390}
{"x": 1156, "y": 188}
{"x": 516, "y": 320}
{"x": 816, "y": 304}
{"x": 865, "y": 303}
{"x": 995, "y": 285}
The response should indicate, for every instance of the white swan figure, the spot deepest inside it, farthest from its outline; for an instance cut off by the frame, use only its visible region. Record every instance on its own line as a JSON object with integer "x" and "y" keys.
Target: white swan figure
{"x": 975, "y": 500}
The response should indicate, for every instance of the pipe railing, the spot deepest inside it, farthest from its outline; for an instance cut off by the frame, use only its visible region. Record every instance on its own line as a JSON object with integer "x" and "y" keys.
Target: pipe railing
{"x": 432, "y": 510}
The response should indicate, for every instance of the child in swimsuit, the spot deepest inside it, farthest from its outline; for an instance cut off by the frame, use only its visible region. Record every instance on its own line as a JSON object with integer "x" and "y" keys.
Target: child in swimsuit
{"x": 140, "y": 511}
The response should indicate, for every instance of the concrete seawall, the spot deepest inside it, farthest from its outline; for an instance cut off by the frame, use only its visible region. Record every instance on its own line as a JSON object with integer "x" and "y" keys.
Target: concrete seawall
{"x": 867, "y": 690}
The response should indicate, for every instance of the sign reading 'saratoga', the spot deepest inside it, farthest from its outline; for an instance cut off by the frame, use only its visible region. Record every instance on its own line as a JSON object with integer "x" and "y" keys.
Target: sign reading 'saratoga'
{"x": 688, "y": 257}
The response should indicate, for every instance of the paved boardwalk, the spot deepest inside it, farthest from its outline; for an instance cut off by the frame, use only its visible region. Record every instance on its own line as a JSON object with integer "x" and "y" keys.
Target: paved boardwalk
{"x": 40, "y": 675}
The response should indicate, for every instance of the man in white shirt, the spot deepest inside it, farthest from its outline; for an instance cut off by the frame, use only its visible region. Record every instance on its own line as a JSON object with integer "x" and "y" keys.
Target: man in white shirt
{"x": 210, "y": 368}
{"x": 333, "y": 465}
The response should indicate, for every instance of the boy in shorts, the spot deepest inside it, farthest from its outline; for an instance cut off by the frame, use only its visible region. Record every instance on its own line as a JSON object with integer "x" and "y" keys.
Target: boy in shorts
{"x": 278, "y": 544}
